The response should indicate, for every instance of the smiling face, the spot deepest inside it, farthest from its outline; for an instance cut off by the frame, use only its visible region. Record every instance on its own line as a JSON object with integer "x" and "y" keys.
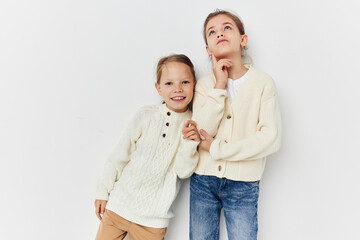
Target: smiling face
{"x": 176, "y": 86}
{"x": 223, "y": 37}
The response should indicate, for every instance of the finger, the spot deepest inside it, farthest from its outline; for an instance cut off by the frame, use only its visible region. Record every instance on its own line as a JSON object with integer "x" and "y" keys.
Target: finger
{"x": 187, "y": 130}
{"x": 205, "y": 134}
{"x": 187, "y": 136}
{"x": 228, "y": 64}
{"x": 194, "y": 131}
{"x": 97, "y": 212}
{"x": 194, "y": 137}
{"x": 192, "y": 128}
{"x": 224, "y": 66}
{"x": 193, "y": 123}
{"x": 102, "y": 208}
{"x": 224, "y": 63}
{"x": 213, "y": 59}
{"x": 187, "y": 124}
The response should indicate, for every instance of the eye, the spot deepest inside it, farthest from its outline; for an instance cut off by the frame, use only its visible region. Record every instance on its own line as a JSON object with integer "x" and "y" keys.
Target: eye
{"x": 211, "y": 32}
{"x": 168, "y": 83}
{"x": 227, "y": 28}
{"x": 186, "y": 82}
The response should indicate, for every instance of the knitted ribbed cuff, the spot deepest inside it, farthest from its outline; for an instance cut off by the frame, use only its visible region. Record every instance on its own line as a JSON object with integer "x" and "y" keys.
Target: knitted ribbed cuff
{"x": 101, "y": 194}
{"x": 215, "y": 149}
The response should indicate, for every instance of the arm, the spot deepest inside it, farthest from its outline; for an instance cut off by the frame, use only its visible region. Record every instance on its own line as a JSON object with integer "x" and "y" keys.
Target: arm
{"x": 208, "y": 108}
{"x": 209, "y": 102}
{"x": 118, "y": 159}
{"x": 187, "y": 157}
{"x": 265, "y": 141}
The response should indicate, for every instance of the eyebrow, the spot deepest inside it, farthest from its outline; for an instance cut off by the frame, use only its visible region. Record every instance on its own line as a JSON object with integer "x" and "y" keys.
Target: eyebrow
{"x": 225, "y": 23}
{"x": 180, "y": 80}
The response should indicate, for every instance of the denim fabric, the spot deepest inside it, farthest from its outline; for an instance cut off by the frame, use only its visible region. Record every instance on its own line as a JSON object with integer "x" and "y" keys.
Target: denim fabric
{"x": 208, "y": 194}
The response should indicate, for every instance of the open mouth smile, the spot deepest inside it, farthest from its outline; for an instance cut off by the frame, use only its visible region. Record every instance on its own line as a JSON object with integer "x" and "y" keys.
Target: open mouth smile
{"x": 178, "y": 98}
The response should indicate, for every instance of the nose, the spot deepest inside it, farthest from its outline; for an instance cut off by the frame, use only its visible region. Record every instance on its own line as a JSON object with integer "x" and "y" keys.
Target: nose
{"x": 220, "y": 35}
{"x": 178, "y": 88}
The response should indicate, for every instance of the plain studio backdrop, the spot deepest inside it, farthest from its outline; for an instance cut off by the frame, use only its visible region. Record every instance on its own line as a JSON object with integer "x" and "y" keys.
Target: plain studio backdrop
{"x": 74, "y": 72}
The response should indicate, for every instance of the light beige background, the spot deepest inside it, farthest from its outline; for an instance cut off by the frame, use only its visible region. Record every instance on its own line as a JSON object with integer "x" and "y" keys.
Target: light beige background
{"x": 72, "y": 73}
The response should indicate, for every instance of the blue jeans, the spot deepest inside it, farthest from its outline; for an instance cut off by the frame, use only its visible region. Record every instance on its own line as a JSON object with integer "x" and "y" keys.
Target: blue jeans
{"x": 208, "y": 194}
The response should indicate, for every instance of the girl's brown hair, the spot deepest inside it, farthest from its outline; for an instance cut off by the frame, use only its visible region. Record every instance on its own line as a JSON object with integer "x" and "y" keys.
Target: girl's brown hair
{"x": 239, "y": 25}
{"x": 235, "y": 18}
{"x": 181, "y": 58}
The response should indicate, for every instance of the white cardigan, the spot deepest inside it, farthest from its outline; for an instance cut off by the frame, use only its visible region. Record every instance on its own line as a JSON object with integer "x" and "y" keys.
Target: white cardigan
{"x": 246, "y": 130}
{"x": 140, "y": 179}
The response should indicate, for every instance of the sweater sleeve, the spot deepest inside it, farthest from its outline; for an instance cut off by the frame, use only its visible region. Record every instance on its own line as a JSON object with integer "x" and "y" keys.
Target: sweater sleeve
{"x": 208, "y": 108}
{"x": 264, "y": 142}
{"x": 119, "y": 158}
{"x": 186, "y": 158}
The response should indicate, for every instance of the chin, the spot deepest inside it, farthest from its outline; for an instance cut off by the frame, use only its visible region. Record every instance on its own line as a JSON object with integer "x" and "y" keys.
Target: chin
{"x": 180, "y": 109}
{"x": 224, "y": 53}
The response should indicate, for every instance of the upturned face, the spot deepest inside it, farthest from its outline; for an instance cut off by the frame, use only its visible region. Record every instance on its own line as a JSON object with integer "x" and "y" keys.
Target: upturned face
{"x": 223, "y": 37}
{"x": 176, "y": 86}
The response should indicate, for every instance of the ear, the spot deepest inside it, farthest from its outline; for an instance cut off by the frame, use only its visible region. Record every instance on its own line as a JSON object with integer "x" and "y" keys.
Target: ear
{"x": 208, "y": 50}
{"x": 194, "y": 85}
{"x": 244, "y": 41}
{"x": 157, "y": 86}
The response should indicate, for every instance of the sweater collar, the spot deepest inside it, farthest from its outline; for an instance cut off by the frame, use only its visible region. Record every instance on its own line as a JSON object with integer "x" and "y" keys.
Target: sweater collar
{"x": 170, "y": 113}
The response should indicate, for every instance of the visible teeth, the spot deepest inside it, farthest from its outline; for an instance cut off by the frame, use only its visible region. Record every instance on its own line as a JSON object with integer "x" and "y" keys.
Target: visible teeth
{"x": 178, "y": 98}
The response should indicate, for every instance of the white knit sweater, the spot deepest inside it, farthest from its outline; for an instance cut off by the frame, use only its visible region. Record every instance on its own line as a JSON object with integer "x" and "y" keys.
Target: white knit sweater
{"x": 141, "y": 177}
{"x": 246, "y": 130}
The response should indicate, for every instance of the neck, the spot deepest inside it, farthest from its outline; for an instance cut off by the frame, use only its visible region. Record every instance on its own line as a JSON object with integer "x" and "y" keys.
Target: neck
{"x": 238, "y": 69}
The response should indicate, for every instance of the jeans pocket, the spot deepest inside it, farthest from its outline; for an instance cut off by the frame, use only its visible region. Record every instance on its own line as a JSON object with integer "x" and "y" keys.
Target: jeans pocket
{"x": 239, "y": 189}
{"x": 252, "y": 184}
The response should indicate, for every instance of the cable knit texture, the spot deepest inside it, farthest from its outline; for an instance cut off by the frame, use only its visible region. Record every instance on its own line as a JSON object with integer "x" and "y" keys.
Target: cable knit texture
{"x": 140, "y": 179}
{"x": 246, "y": 130}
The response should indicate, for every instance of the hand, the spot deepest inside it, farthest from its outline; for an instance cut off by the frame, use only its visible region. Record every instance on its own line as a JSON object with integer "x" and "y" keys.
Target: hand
{"x": 206, "y": 142}
{"x": 220, "y": 69}
{"x": 100, "y": 207}
{"x": 190, "y": 131}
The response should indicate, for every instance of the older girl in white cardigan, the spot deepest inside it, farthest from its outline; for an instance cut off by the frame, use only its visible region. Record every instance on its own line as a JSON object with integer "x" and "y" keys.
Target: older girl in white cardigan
{"x": 237, "y": 110}
{"x": 141, "y": 177}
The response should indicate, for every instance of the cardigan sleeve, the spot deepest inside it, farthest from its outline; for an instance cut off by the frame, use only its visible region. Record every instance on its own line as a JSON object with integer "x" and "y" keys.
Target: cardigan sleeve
{"x": 208, "y": 107}
{"x": 265, "y": 141}
{"x": 186, "y": 158}
{"x": 119, "y": 158}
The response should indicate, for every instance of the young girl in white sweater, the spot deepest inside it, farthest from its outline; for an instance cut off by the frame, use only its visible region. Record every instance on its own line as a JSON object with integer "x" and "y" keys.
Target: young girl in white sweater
{"x": 141, "y": 177}
{"x": 236, "y": 109}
